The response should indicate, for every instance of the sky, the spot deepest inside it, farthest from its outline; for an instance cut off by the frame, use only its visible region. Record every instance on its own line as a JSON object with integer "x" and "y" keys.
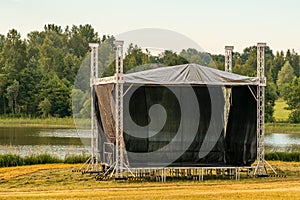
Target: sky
{"x": 212, "y": 24}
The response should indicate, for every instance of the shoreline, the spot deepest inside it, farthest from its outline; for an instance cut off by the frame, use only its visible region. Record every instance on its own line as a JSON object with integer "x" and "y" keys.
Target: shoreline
{"x": 47, "y": 123}
{"x": 69, "y": 123}
{"x": 282, "y": 128}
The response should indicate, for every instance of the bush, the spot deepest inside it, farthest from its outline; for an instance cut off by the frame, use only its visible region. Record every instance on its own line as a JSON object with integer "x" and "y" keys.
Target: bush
{"x": 294, "y": 116}
{"x": 41, "y": 159}
{"x": 72, "y": 159}
{"x": 283, "y": 156}
{"x": 9, "y": 160}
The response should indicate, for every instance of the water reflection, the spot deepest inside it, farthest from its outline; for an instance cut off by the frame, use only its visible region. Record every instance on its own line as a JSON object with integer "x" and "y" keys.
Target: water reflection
{"x": 37, "y": 136}
{"x": 62, "y": 142}
{"x": 59, "y": 142}
{"x": 282, "y": 142}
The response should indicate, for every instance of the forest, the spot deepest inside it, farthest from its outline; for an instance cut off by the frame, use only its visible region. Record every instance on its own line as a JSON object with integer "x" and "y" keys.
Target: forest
{"x": 37, "y": 73}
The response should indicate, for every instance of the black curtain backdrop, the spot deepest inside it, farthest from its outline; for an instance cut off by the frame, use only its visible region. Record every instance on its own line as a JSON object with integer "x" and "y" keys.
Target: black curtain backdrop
{"x": 241, "y": 141}
{"x": 237, "y": 148}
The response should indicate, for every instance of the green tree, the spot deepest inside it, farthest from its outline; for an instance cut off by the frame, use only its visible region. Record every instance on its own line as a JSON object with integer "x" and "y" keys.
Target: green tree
{"x": 12, "y": 61}
{"x": 12, "y": 92}
{"x": 237, "y": 64}
{"x": 85, "y": 112}
{"x": 13, "y": 55}
{"x": 295, "y": 63}
{"x": 45, "y": 107}
{"x": 34, "y": 40}
{"x": 218, "y": 61}
{"x": 2, "y": 78}
{"x": 279, "y": 61}
{"x": 30, "y": 84}
{"x": 293, "y": 100}
{"x": 53, "y": 28}
{"x": 135, "y": 57}
{"x": 170, "y": 58}
{"x": 79, "y": 39}
{"x": 58, "y": 92}
{"x": 198, "y": 57}
{"x": 285, "y": 76}
{"x": 246, "y": 62}
{"x": 107, "y": 56}
{"x": 293, "y": 59}
{"x": 78, "y": 100}
{"x": 2, "y": 41}
{"x": 71, "y": 65}
{"x": 52, "y": 53}
{"x": 2, "y": 93}
{"x": 271, "y": 92}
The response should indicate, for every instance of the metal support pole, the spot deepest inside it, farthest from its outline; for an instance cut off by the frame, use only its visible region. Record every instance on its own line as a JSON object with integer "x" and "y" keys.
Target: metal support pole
{"x": 228, "y": 58}
{"x": 260, "y": 169}
{"x": 228, "y": 68}
{"x": 119, "y": 168}
{"x": 94, "y": 128}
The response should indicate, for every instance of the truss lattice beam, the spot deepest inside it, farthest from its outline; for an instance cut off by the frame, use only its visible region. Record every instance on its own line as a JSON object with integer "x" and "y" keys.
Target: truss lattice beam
{"x": 228, "y": 58}
{"x": 227, "y": 90}
{"x": 260, "y": 169}
{"x": 94, "y": 161}
{"x": 119, "y": 168}
{"x": 228, "y": 68}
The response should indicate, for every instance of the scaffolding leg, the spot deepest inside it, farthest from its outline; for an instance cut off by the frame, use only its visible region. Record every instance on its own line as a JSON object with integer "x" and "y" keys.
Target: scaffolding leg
{"x": 271, "y": 167}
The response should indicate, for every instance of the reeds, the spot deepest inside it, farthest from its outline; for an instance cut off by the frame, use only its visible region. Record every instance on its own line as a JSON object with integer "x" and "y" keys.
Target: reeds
{"x": 283, "y": 156}
{"x": 7, "y": 121}
{"x": 9, "y": 160}
{"x": 282, "y": 128}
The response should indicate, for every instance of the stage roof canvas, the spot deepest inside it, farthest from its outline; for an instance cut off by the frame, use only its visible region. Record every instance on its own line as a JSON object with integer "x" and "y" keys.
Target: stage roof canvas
{"x": 193, "y": 132}
{"x": 188, "y": 74}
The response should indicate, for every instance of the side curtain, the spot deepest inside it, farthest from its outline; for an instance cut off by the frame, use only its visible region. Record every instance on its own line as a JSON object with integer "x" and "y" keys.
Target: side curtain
{"x": 105, "y": 104}
{"x": 241, "y": 128}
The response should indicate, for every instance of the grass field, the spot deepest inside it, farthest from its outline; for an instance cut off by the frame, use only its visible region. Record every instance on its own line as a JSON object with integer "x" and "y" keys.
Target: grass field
{"x": 280, "y": 113}
{"x": 55, "y": 181}
{"x": 37, "y": 122}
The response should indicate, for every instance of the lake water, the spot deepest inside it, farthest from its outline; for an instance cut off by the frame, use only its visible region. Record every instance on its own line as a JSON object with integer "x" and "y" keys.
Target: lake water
{"x": 62, "y": 142}
{"x": 59, "y": 142}
{"x": 282, "y": 142}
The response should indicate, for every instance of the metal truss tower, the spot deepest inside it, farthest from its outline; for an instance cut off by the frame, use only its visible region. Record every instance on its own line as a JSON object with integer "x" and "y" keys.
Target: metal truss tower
{"x": 119, "y": 165}
{"x": 260, "y": 169}
{"x": 228, "y": 68}
{"x": 92, "y": 164}
{"x": 228, "y": 58}
{"x": 94, "y": 127}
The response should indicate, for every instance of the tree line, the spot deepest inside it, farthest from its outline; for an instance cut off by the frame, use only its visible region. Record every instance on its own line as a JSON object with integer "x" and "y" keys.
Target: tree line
{"x": 37, "y": 73}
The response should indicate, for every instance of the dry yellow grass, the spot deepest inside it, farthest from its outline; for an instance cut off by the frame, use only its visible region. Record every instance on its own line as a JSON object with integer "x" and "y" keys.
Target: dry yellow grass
{"x": 58, "y": 182}
{"x": 11, "y": 172}
{"x": 236, "y": 190}
{"x": 280, "y": 111}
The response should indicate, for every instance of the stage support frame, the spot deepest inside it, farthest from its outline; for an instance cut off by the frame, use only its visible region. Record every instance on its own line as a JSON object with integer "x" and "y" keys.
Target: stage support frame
{"x": 119, "y": 165}
{"x": 228, "y": 68}
{"x": 92, "y": 164}
{"x": 228, "y": 58}
{"x": 260, "y": 169}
